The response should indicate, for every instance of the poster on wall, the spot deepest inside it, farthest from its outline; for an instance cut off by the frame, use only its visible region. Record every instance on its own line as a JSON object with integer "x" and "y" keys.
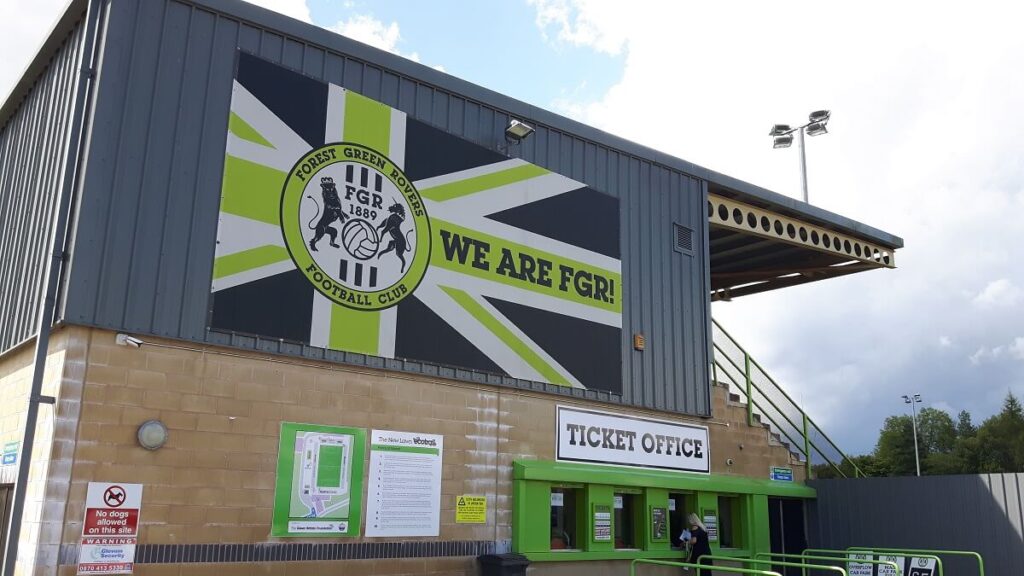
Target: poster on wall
{"x": 711, "y": 524}
{"x": 346, "y": 224}
{"x": 319, "y": 481}
{"x": 403, "y": 496}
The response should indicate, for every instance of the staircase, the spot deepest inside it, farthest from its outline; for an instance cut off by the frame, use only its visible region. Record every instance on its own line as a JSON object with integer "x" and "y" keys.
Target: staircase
{"x": 769, "y": 406}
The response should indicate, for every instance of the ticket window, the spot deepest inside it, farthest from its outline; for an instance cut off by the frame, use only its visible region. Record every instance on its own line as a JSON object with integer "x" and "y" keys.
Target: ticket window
{"x": 564, "y": 508}
{"x": 680, "y": 505}
{"x": 626, "y": 507}
{"x": 729, "y": 509}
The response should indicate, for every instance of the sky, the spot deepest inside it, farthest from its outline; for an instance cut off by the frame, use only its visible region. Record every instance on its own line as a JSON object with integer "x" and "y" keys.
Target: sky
{"x": 924, "y": 143}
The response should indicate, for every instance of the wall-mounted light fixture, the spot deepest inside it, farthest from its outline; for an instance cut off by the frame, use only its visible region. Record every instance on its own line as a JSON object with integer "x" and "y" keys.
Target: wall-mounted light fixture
{"x": 517, "y": 131}
{"x": 152, "y": 435}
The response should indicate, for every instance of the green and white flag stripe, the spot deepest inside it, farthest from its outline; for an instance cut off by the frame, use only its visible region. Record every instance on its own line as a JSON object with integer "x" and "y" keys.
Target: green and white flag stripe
{"x": 352, "y": 117}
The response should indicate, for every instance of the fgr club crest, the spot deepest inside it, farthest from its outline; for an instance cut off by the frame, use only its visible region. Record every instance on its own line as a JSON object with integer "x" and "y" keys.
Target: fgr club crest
{"x": 355, "y": 226}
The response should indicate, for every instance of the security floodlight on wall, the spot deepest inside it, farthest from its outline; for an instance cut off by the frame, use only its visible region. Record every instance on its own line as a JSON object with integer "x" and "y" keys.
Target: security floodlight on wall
{"x": 152, "y": 435}
{"x": 517, "y": 131}
{"x": 782, "y": 135}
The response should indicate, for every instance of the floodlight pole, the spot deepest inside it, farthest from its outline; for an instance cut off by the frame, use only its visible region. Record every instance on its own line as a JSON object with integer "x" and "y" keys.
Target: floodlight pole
{"x": 803, "y": 164}
{"x": 912, "y": 400}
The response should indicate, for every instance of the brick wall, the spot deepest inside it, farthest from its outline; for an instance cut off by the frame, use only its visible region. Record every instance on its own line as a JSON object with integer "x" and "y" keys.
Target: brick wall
{"x": 213, "y": 482}
{"x": 52, "y": 454}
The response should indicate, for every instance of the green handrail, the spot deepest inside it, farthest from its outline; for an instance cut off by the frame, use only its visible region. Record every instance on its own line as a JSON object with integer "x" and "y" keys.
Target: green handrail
{"x": 699, "y": 567}
{"x": 845, "y": 554}
{"x": 750, "y": 360}
{"x": 981, "y": 561}
{"x": 776, "y": 563}
{"x": 829, "y": 558}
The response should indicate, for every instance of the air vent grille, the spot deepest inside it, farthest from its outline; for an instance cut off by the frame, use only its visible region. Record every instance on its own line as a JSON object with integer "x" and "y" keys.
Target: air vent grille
{"x": 683, "y": 239}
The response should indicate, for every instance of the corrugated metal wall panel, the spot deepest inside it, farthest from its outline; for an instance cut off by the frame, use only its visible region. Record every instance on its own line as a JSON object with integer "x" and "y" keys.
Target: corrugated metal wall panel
{"x": 983, "y": 513}
{"x": 33, "y": 148}
{"x": 152, "y": 187}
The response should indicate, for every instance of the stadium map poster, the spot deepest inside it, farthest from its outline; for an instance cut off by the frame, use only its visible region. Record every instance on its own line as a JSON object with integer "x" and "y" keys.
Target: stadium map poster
{"x": 319, "y": 481}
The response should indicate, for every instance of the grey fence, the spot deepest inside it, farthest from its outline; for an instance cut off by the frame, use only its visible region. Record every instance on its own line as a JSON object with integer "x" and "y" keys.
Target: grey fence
{"x": 979, "y": 512}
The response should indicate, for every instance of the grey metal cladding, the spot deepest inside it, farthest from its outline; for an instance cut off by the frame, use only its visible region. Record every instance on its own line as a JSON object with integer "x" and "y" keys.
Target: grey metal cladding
{"x": 148, "y": 213}
{"x": 978, "y": 512}
{"x": 33, "y": 146}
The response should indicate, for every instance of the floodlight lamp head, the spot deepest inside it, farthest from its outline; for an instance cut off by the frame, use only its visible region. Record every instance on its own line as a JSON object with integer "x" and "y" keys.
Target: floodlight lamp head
{"x": 906, "y": 399}
{"x": 816, "y": 129}
{"x": 917, "y": 397}
{"x": 517, "y": 131}
{"x": 780, "y": 130}
{"x": 784, "y": 141}
{"x": 820, "y": 116}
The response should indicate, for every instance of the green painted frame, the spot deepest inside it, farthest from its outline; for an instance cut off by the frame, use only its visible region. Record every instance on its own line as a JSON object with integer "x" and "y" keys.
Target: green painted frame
{"x": 531, "y": 492}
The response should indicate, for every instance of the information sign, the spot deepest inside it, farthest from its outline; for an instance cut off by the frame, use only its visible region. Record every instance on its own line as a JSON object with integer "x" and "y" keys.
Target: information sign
{"x": 781, "y": 474}
{"x": 886, "y": 570}
{"x": 9, "y": 456}
{"x": 659, "y": 524}
{"x": 319, "y": 481}
{"x": 711, "y": 524}
{"x": 921, "y": 567}
{"x": 860, "y": 568}
{"x": 471, "y": 509}
{"x": 110, "y": 528}
{"x": 404, "y": 494}
{"x": 602, "y": 523}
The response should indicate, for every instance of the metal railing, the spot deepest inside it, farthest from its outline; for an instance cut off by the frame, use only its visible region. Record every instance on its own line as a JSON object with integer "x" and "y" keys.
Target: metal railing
{"x": 805, "y": 556}
{"x": 768, "y": 403}
{"x": 699, "y": 567}
{"x": 773, "y": 563}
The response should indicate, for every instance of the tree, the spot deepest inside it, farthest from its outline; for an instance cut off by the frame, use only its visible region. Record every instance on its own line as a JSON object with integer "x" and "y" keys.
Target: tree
{"x": 1001, "y": 439}
{"x": 936, "y": 432}
{"x": 895, "y": 448}
{"x": 964, "y": 427}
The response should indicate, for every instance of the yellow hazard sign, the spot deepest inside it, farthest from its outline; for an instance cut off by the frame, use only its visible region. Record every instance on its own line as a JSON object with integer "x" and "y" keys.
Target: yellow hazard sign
{"x": 471, "y": 510}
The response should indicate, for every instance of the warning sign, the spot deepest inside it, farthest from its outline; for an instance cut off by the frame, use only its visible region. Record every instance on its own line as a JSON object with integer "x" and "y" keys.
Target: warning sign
{"x": 110, "y": 529}
{"x": 471, "y": 510}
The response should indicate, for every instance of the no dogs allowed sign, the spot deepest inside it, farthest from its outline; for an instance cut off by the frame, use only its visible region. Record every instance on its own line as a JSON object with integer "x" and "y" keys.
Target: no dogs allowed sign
{"x": 110, "y": 529}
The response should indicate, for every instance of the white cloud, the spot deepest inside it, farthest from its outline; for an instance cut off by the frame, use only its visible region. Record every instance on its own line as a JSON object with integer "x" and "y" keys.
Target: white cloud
{"x": 295, "y": 8}
{"x": 1016, "y": 349}
{"x": 368, "y": 30}
{"x": 999, "y": 294}
{"x": 923, "y": 143}
{"x": 20, "y": 42}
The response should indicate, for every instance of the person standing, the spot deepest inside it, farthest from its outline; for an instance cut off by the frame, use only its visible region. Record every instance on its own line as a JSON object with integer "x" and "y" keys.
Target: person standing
{"x": 699, "y": 545}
